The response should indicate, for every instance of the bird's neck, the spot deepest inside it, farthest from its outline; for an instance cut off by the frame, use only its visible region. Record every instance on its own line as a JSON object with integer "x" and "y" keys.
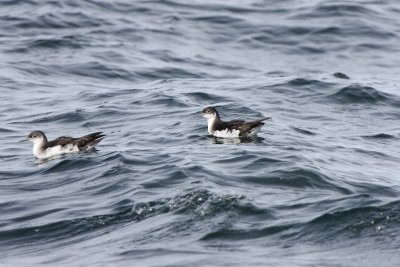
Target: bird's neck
{"x": 38, "y": 148}
{"x": 211, "y": 123}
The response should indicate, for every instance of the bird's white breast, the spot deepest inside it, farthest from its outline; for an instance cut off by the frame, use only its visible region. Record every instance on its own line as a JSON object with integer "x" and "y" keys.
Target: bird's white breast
{"x": 226, "y": 133}
{"x": 55, "y": 150}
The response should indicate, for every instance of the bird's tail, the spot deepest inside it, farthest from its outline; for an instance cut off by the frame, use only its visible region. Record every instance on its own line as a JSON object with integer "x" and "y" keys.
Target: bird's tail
{"x": 265, "y": 119}
{"x": 95, "y": 135}
{"x": 260, "y": 121}
{"x": 93, "y": 139}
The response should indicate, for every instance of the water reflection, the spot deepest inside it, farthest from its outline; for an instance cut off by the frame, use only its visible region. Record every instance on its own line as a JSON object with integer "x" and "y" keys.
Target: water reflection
{"x": 66, "y": 156}
{"x": 236, "y": 140}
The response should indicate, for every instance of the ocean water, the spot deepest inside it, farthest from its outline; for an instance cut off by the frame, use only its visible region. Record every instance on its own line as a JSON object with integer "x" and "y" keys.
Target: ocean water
{"x": 318, "y": 187}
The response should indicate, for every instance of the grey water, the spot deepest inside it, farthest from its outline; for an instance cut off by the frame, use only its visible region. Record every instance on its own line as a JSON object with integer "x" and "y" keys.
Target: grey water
{"x": 318, "y": 187}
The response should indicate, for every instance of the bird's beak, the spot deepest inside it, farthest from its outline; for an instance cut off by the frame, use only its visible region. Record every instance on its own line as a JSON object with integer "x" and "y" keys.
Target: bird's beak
{"x": 23, "y": 140}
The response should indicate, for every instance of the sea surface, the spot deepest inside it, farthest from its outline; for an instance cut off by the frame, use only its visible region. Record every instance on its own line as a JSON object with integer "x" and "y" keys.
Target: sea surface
{"x": 320, "y": 186}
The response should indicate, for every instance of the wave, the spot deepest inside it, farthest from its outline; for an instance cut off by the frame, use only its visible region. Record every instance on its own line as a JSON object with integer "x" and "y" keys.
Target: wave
{"x": 168, "y": 73}
{"x": 380, "y": 136}
{"x": 201, "y": 204}
{"x": 325, "y": 10}
{"x": 341, "y": 75}
{"x": 205, "y": 98}
{"x": 357, "y": 93}
{"x": 297, "y": 177}
{"x": 376, "y": 222}
{"x": 54, "y": 20}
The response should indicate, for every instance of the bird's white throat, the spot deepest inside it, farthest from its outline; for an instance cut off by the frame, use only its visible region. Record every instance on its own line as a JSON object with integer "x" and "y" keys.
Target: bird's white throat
{"x": 38, "y": 147}
{"x": 211, "y": 121}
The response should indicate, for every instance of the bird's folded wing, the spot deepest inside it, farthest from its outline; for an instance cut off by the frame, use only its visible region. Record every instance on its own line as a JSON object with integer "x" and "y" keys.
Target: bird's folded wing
{"x": 60, "y": 141}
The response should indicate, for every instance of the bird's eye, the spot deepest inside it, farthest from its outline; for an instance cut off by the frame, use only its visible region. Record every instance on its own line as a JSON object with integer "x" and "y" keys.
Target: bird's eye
{"x": 34, "y": 136}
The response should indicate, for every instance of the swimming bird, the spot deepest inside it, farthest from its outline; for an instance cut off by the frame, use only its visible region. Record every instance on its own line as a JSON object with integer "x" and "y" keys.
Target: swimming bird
{"x": 62, "y": 145}
{"x": 230, "y": 129}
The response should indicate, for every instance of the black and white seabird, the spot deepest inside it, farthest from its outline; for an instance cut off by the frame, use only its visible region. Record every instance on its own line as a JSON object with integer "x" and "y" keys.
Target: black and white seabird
{"x": 62, "y": 145}
{"x": 231, "y": 129}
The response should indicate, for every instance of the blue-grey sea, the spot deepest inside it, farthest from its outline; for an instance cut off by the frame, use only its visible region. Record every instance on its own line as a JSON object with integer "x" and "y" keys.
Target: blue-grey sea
{"x": 320, "y": 186}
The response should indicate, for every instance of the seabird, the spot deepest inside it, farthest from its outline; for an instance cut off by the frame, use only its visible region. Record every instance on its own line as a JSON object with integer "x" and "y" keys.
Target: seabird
{"x": 62, "y": 145}
{"x": 231, "y": 129}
